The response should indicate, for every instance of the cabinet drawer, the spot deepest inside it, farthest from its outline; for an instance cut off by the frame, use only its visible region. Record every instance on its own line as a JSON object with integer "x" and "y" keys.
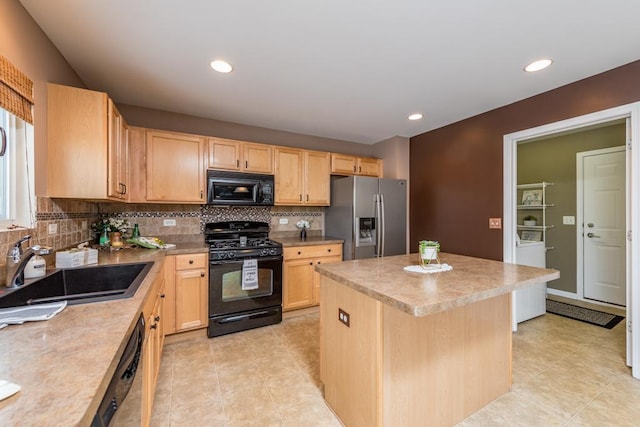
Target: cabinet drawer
{"x": 312, "y": 251}
{"x": 190, "y": 261}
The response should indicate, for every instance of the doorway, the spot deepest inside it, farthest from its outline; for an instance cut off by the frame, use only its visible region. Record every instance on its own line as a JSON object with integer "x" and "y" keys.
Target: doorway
{"x": 601, "y": 177}
{"x": 631, "y": 113}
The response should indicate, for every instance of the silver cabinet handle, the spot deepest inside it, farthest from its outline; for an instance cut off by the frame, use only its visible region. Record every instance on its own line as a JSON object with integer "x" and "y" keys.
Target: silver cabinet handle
{"x": 592, "y": 235}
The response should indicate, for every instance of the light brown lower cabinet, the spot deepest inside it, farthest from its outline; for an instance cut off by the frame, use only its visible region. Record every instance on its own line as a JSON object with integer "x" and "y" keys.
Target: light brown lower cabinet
{"x": 187, "y": 292}
{"x": 300, "y": 282}
{"x": 153, "y": 312}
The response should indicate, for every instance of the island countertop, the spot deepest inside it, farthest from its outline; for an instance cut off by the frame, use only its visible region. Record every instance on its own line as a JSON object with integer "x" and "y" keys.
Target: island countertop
{"x": 420, "y": 294}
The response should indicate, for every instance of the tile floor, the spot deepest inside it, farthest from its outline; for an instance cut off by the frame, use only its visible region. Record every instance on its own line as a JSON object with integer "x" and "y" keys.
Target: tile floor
{"x": 565, "y": 373}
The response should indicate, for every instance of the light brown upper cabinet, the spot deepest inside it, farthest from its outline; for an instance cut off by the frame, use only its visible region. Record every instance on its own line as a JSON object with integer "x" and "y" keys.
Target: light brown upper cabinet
{"x": 86, "y": 145}
{"x": 344, "y": 164}
{"x": 175, "y": 167}
{"x": 243, "y": 156}
{"x": 302, "y": 177}
{"x": 118, "y": 139}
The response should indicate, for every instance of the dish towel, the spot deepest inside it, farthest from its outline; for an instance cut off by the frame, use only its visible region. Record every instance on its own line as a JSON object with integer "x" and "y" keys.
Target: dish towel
{"x": 249, "y": 274}
{"x": 30, "y": 313}
{"x": 431, "y": 268}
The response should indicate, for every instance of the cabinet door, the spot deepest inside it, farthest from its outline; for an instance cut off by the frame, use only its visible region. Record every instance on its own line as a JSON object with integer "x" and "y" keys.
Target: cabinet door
{"x": 175, "y": 167}
{"x": 297, "y": 284}
{"x": 137, "y": 169}
{"x": 343, "y": 164}
{"x": 317, "y": 178}
{"x": 76, "y": 143}
{"x": 224, "y": 154}
{"x": 369, "y": 167}
{"x": 257, "y": 158}
{"x": 169, "y": 274}
{"x": 288, "y": 176}
{"x": 117, "y": 154}
{"x": 316, "y": 276}
{"x": 191, "y": 299}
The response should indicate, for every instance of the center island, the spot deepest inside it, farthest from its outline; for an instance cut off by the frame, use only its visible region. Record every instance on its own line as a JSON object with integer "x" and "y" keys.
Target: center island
{"x": 399, "y": 348}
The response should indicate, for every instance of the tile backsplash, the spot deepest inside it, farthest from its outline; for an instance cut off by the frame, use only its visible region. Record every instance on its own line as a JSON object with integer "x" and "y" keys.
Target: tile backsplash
{"x": 69, "y": 221}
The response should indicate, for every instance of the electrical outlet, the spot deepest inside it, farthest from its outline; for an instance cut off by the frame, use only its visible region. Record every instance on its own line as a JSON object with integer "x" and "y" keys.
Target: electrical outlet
{"x": 495, "y": 223}
{"x": 169, "y": 222}
{"x": 284, "y": 221}
{"x": 53, "y": 228}
{"x": 83, "y": 225}
{"x": 569, "y": 220}
{"x": 343, "y": 317}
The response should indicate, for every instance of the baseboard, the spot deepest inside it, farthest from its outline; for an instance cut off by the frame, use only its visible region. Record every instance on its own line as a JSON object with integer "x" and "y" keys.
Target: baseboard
{"x": 300, "y": 312}
{"x": 564, "y": 294}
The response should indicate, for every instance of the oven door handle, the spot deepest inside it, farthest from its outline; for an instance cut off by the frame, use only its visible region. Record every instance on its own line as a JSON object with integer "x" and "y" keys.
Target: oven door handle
{"x": 239, "y": 317}
{"x": 239, "y": 261}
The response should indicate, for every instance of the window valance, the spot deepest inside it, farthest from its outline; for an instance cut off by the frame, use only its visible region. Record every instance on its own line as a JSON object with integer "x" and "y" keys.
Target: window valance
{"x": 16, "y": 91}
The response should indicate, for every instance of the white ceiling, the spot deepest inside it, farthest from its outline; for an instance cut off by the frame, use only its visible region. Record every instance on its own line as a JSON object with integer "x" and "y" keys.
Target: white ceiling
{"x": 344, "y": 69}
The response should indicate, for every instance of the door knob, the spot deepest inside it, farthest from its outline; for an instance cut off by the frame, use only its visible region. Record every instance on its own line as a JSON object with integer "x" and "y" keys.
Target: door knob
{"x": 592, "y": 235}
{"x": 590, "y": 225}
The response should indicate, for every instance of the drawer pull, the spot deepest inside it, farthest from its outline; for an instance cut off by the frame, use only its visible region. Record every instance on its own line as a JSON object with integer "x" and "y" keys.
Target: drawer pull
{"x": 201, "y": 274}
{"x": 162, "y": 295}
{"x": 328, "y": 250}
{"x": 299, "y": 252}
{"x": 190, "y": 261}
{"x": 157, "y": 318}
{"x": 311, "y": 263}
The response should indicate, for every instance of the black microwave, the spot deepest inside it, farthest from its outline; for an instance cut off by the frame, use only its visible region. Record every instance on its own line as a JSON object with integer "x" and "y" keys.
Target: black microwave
{"x": 239, "y": 189}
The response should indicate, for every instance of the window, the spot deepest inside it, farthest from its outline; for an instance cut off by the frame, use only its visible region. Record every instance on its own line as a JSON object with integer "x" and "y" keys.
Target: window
{"x": 17, "y": 200}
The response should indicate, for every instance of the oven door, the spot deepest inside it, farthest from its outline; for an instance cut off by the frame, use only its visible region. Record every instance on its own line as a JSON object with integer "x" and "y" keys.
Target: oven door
{"x": 225, "y": 286}
{"x": 231, "y": 308}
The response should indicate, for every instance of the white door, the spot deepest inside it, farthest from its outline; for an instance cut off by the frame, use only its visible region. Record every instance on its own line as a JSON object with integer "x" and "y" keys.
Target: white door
{"x": 604, "y": 225}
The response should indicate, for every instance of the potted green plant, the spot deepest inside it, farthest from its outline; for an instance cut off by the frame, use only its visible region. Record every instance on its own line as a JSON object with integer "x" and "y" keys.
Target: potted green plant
{"x": 530, "y": 220}
{"x": 429, "y": 251}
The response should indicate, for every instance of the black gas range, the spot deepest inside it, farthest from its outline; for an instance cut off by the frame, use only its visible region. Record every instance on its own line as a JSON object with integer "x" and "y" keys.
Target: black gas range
{"x": 239, "y": 239}
{"x": 245, "y": 276}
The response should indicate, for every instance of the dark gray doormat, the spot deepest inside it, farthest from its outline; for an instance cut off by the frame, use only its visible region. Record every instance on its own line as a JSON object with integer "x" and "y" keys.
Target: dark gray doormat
{"x": 594, "y": 317}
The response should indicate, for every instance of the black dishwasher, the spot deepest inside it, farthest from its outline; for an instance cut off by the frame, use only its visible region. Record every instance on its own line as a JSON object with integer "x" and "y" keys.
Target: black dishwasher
{"x": 123, "y": 382}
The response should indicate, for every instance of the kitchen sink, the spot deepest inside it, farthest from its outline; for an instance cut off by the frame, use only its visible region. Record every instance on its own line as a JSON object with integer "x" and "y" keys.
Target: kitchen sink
{"x": 80, "y": 285}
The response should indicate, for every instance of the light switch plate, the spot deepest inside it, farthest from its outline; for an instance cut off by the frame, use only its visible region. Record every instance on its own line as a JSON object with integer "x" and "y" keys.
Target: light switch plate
{"x": 169, "y": 222}
{"x": 569, "y": 220}
{"x": 284, "y": 221}
{"x": 495, "y": 223}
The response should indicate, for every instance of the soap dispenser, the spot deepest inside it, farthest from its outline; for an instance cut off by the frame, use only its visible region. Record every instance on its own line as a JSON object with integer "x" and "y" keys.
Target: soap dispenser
{"x": 36, "y": 266}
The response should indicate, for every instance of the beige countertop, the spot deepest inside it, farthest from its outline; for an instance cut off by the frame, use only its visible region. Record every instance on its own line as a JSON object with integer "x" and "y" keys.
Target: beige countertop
{"x": 64, "y": 364}
{"x": 309, "y": 241}
{"x": 421, "y": 294}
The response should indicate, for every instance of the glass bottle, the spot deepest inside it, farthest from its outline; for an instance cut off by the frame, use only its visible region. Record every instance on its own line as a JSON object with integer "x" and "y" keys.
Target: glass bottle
{"x": 136, "y": 231}
{"x": 104, "y": 237}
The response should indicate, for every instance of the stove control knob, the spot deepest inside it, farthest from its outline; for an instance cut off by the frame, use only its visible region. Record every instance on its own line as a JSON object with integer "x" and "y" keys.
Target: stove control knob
{"x": 232, "y": 254}
{"x": 273, "y": 251}
{"x": 222, "y": 255}
{"x": 264, "y": 251}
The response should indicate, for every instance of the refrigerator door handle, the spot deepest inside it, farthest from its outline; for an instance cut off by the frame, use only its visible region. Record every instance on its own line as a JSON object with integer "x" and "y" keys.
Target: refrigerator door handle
{"x": 383, "y": 224}
{"x": 379, "y": 231}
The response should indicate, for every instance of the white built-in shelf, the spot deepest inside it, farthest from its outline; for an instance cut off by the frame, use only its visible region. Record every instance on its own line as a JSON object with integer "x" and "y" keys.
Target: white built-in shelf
{"x": 542, "y": 209}
{"x": 535, "y": 206}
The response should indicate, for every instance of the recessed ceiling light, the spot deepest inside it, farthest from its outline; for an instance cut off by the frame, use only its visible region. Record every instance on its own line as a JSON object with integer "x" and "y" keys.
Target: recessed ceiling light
{"x": 538, "y": 65}
{"x": 221, "y": 66}
{"x": 415, "y": 116}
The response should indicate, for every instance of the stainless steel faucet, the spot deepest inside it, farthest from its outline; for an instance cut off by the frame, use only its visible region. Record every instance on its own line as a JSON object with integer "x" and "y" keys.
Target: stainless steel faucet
{"x": 16, "y": 262}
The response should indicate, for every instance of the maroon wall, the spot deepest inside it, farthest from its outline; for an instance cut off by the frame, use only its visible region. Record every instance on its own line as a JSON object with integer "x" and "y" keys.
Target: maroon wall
{"x": 456, "y": 170}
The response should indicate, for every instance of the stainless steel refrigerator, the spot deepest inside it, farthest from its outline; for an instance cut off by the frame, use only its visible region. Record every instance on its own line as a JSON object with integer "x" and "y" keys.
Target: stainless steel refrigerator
{"x": 370, "y": 214}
